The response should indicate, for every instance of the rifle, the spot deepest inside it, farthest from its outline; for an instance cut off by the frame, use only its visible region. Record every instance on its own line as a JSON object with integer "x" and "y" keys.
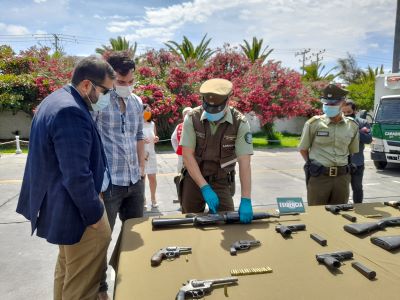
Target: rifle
{"x": 336, "y": 208}
{"x": 332, "y": 260}
{"x": 243, "y": 245}
{"x": 205, "y": 220}
{"x": 395, "y": 204}
{"x": 197, "y": 289}
{"x": 168, "y": 252}
{"x": 387, "y": 242}
{"x": 286, "y": 230}
{"x": 362, "y": 228}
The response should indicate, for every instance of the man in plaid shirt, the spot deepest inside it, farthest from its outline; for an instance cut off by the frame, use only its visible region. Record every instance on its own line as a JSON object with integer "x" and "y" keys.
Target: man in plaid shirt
{"x": 120, "y": 125}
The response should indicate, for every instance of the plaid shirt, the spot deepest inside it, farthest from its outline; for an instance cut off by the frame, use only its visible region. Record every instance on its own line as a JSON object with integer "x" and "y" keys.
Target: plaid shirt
{"x": 120, "y": 133}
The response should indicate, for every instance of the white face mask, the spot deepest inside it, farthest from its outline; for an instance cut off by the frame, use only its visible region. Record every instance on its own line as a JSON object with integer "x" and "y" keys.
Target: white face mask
{"x": 101, "y": 103}
{"x": 124, "y": 91}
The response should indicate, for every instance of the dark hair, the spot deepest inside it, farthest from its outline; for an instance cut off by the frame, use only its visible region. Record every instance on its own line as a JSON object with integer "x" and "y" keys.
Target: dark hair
{"x": 145, "y": 106}
{"x": 92, "y": 68}
{"x": 351, "y": 103}
{"x": 121, "y": 62}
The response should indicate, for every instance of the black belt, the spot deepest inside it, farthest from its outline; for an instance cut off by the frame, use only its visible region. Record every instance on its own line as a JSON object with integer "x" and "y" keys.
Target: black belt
{"x": 211, "y": 178}
{"x": 336, "y": 171}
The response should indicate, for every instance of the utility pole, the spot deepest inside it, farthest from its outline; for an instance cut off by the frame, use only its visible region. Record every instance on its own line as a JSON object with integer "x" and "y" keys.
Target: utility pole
{"x": 304, "y": 58}
{"x": 396, "y": 48}
{"x": 319, "y": 56}
{"x": 56, "y": 41}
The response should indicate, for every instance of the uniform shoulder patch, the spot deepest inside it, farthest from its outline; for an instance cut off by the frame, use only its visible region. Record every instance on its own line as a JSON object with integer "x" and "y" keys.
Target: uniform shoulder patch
{"x": 313, "y": 119}
{"x": 248, "y": 137}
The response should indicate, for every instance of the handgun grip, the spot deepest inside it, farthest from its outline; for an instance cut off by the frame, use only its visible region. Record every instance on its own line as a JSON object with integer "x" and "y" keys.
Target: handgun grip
{"x": 157, "y": 258}
{"x": 332, "y": 262}
{"x": 233, "y": 250}
{"x": 180, "y": 295}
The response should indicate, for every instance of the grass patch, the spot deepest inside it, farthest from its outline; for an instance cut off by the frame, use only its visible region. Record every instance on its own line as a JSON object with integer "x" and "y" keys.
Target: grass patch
{"x": 10, "y": 148}
{"x": 284, "y": 140}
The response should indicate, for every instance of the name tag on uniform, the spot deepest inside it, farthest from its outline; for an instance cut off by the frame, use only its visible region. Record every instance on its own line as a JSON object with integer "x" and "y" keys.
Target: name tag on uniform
{"x": 322, "y": 133}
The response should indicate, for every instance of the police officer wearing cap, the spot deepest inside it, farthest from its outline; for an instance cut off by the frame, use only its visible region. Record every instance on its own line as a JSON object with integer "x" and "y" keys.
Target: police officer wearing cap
{"x": 215, "y": 136}
{"x": 326, "y": 144}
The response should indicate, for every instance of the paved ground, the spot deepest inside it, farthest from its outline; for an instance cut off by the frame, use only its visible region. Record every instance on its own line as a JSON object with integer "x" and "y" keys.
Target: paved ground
{"x": 27, "y": 262}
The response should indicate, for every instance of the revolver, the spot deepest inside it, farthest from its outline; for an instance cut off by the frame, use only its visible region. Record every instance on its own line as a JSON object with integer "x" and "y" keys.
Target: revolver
{"x": 197, "y": 289}
{"x": 243, "y": 245}
{"x": 168, "y": 252}
{"x": 332, "y": 260}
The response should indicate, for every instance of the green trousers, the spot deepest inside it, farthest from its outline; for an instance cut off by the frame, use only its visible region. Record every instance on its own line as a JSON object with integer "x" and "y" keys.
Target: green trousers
{"x": 325, "y": 189}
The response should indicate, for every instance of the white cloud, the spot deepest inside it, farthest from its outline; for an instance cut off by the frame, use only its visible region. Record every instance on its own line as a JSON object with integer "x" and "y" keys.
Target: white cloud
{"x": 114, "y": 17}
{"x": 13, "y": 29}
{"x": 121, "y": 26}
{"x": 39, "y": 1}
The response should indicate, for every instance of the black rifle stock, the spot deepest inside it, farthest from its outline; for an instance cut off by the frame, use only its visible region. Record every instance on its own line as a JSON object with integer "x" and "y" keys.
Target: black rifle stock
{"x": 395, "y": 204}
{"x": 286, "y": 230}
{"x": 336, "y": 208}
{"x": 333, "y": 260}
{"x": 210, "y": 219}
{"x": 362, "y": 228}
{"x": 243, "y": 245}
{"x": 387, "y": 242}
{"x": 168, "y": 252}
{"x": 197, "y": 289}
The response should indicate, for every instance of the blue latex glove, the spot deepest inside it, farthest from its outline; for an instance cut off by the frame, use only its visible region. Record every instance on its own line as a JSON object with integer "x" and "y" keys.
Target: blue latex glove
{"x": 210, "y": 197}
{"x": 245, "y": 210}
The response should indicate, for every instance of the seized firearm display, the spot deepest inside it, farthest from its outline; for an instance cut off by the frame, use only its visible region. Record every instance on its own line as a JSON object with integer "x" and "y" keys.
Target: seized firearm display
{"x": 243, "y": 245}
{"x": 395, "y": 204}
{"x": 387, "y": 242}
{"x": 362, "y": 228}
{"x": 197, "y": 289}
{"x": 333, "y": 260}
{"x": 286, "y": 230}
{"x": 210, "y": 219}
{"x": 349, "y": 217}
{"x": 336, "y": 208}
{"x": 364, "y": 270}
{"x": 168, "y": 253}
{"x": 319, "y": 239}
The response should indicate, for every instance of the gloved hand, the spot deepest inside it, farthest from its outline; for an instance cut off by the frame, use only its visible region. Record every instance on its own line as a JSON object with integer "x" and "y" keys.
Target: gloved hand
{"x": 210, "y": 197}
{"x": 245, "y": 210}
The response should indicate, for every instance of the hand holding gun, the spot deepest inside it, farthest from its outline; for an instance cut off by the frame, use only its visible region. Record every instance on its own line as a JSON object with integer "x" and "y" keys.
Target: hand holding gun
{"x": 197, "y": 289}
{"x": 332, "y": 260}
{"x": 168, "y": 252}
{"x": 243, "y": 245}
{"x": 286, "y": 230}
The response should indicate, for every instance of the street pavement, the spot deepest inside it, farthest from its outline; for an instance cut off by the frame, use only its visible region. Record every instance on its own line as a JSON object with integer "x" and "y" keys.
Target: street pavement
{"x": 27, "y": 262}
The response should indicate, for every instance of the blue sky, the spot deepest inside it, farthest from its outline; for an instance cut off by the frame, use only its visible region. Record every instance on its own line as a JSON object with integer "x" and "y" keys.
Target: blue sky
{"x": 364, "y": 28}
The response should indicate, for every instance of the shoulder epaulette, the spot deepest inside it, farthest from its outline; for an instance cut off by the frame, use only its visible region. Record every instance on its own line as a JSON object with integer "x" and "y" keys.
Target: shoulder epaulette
{"x": 313, "y": 119}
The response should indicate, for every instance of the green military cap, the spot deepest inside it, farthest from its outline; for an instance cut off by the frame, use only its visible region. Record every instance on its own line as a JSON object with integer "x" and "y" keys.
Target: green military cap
{"x": 216, "y": 91}
{"x": 332, "y": 94}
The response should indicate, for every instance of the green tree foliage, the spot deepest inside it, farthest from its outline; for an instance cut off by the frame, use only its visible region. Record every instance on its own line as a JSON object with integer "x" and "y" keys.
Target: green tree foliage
{"x": 186, "y": 50}
{"x": 254, "y": 51}
{"x": 314, "y": 72}
{"x": 349, "y": 72}
{"x": 370, "y": 74}
{"x": 118, "y": 44}
{"x": 362, "y": 94}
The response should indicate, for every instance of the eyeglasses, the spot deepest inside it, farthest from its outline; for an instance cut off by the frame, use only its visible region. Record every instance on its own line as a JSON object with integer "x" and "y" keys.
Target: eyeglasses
{"x": 105, "y": 90}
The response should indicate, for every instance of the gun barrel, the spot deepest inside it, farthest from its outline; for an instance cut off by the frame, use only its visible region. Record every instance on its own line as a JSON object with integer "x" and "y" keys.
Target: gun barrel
{"x": 166, "y": 222}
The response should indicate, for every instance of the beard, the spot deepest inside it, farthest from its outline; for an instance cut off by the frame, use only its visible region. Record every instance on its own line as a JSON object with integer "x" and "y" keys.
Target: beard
{"x": 92, "y": 97}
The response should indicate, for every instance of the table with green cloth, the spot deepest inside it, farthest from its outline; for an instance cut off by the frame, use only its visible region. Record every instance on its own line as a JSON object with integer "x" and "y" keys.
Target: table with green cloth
{"x": 296, "y": 273}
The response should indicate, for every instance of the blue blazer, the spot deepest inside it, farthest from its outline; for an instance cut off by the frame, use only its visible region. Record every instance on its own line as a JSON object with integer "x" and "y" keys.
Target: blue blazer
{"x": 64, "y": 169}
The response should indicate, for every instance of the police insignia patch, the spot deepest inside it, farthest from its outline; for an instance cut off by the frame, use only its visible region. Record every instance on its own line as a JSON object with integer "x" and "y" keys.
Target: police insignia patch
{"x": 248, "y": 137}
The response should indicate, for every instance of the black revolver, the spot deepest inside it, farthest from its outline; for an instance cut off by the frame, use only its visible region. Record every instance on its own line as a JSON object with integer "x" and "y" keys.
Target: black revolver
{"x": 332, "y": 260}
{"x": 168, "y": 252}
{"x": 243, "y": 245}
{"x": 197, "y": 289}
{"x": 336, "y": 208}
{"x": 286, "y": 230}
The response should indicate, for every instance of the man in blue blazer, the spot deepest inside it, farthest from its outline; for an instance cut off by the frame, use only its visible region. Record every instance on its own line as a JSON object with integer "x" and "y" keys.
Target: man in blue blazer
{"x": 64, "y": 174}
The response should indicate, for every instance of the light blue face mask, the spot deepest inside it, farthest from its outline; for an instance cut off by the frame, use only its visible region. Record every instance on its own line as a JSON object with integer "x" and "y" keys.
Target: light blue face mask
{"x": 215, "y": 117}
{"x": 331, "y": 111}
{"x": 102, "y": 101}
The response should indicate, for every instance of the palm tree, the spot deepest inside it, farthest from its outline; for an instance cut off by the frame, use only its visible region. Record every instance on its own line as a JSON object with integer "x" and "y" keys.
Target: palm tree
{"x": 313, "y": 72}
{"x": 254, "y": 52}
{"x": 348, "y": 69}
{"x": 118, "y": 44}
{"x": 187, "y": 51}
{"x": 370, "y": 74}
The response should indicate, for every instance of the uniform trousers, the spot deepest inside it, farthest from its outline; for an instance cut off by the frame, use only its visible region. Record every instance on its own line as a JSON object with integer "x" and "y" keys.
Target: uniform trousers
{"x": 79, "y": 266}
{"x": 324, "y": 189}
{"x": 192, "y": 200}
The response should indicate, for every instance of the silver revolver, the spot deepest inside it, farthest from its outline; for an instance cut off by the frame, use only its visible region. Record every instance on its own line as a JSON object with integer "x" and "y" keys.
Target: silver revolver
{"x": 196, "y": 289}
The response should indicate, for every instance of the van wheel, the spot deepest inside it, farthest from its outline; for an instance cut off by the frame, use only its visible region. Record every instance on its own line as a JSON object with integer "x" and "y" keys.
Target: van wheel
{"x": 380, "y": 165}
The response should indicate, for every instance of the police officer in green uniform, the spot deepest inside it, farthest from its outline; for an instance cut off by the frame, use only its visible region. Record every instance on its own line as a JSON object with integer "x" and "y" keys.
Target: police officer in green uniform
{"x": 215, "y": 136}
{"x": 326, "y": 143}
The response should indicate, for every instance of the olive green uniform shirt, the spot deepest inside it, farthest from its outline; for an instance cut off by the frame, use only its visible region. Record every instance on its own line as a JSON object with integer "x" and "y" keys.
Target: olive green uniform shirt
{"x": 243, "y": 143}
{"x": 330, "y": 143}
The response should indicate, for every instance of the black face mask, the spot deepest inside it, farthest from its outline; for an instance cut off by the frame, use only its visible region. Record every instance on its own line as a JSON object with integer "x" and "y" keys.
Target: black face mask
{"x": 351, "y": 116}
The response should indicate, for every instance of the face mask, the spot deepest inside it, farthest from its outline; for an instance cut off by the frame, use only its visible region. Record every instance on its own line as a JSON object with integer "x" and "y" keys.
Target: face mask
{"x": 101, "y": 103}
{"x": 146, "y": 115}
{"x": 331, "y": 111}
{"x": 215, "y": 117}
{"x": 124, "y": 91}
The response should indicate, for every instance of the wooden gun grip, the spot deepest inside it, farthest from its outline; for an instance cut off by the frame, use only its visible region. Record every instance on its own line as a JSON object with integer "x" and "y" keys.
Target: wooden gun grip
{"x": 157, "y": 258}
